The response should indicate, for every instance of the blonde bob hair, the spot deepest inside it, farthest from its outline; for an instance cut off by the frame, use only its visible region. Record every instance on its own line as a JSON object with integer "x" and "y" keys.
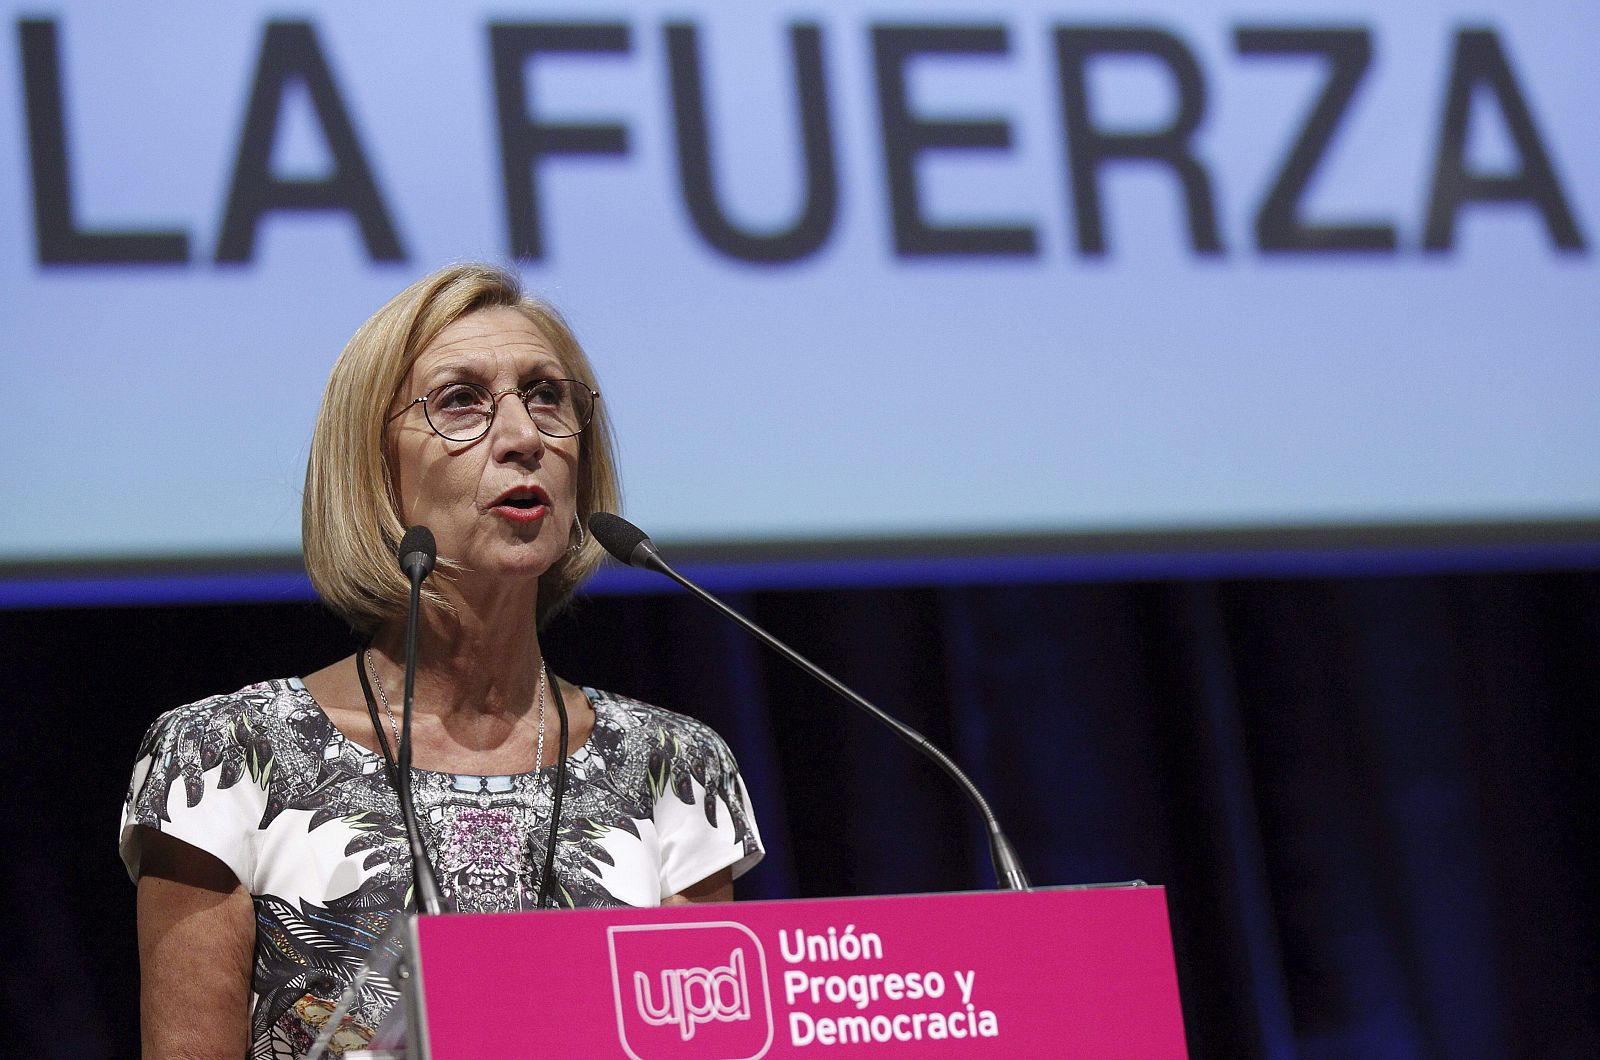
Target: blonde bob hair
{"x": 350, "y": 520}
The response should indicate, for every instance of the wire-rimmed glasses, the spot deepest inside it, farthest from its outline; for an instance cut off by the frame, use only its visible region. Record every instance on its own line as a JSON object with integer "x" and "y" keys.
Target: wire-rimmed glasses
{"x": 463, "y": 412}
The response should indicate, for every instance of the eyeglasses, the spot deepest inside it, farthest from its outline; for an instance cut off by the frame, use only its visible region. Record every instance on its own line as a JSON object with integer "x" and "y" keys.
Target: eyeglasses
{"x": 462, "y": 412}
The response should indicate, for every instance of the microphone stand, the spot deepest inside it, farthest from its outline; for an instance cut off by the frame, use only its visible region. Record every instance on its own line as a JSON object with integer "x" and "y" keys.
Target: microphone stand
{"x": 1008, "y": 871}
{"x": 418, "y": 553}
{"x": 426, "y": 882}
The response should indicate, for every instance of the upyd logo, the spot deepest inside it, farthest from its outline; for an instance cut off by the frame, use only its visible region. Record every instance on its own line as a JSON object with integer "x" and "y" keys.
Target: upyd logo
{"x": 690, "y": 990}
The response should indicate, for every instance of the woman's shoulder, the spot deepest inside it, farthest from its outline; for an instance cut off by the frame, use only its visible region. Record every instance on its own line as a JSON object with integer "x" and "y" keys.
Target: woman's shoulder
{"x": 254, "y": 752}
{"x": 202, "y": 771}
{"x": 228, "y": 716}
{"x": 625, "y": 712}
{"x": 693, "y": 782}
{"x": 242, "y": 731}
{"x": 628, "y": 728}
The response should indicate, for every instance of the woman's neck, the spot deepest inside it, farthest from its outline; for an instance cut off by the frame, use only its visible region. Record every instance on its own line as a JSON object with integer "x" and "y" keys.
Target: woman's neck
{"x": 483, "y": 659}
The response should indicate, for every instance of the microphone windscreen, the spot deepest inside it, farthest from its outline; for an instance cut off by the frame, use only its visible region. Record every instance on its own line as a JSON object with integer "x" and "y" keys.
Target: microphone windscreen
{"x": 616, "y": 535}
{"x": 417, "y": 549}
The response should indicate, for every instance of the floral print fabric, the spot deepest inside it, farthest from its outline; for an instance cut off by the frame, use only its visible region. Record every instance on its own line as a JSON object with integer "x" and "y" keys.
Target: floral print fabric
{"x": 309, "y": 822}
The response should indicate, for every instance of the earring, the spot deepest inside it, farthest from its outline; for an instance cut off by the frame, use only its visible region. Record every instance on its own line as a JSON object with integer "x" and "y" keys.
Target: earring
{"x": 577, "y": 524}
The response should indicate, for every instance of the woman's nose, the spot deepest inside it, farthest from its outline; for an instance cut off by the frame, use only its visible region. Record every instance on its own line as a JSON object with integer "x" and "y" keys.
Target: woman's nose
{"x": 513, "y": 431}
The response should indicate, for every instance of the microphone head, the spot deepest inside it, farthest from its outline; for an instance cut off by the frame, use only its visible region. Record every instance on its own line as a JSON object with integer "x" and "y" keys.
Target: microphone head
{"x": 622, "y": 539}
{"x": 418, "y": 552}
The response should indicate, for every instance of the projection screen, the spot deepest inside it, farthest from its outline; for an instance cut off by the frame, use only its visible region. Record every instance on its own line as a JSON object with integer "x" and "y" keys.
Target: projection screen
{"x": 853, "y": 274}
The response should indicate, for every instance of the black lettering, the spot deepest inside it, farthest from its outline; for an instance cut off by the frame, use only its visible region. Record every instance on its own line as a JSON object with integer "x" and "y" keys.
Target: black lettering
{"x": 1089, "y": 148}
{"x": 1278, "y": 224}
{"x": 524, "y": 141}
{"x": 290, "y": 52}
{"x": 57, "y": 238}
{"x": 1480, "y": 62}
{"x": 905, "y": 136}
{"x": 815, "y": 223}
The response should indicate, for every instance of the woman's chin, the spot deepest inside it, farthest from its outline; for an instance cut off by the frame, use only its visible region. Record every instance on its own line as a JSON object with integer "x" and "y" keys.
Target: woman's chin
{"x": 529, "y": 563}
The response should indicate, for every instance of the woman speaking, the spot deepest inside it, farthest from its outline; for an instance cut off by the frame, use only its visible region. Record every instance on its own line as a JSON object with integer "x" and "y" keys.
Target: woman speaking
{"x": 263, "y": 827}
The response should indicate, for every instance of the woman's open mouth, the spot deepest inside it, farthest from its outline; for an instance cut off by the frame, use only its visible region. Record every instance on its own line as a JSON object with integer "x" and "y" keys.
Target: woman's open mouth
{"x": 523, "y": 505}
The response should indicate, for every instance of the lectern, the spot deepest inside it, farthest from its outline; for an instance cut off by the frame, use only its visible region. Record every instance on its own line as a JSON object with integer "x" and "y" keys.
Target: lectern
{"x": 1061, "y": 973}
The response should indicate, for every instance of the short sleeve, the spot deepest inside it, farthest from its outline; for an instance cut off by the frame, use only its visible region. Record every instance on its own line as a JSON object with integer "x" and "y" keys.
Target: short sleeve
{"x": 703, "y": 818}
{"x": 199, "y": 777}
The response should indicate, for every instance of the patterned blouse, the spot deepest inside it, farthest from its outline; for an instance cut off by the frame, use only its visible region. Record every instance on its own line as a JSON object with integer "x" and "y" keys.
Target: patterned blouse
{"x": 309, "y": 822}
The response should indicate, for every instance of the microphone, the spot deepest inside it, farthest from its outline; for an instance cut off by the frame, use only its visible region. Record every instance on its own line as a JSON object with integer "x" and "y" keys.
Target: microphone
{"x": 632, "y": 546}
{"x": 418, "y": 553}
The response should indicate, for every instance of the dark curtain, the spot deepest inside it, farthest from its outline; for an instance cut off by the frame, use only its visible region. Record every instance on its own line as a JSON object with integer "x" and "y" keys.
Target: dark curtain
{"x": 1370, "y": 798}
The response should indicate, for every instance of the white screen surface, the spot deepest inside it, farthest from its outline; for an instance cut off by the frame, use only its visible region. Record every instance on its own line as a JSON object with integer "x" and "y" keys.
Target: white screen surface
{"x": 1181, "y": 375}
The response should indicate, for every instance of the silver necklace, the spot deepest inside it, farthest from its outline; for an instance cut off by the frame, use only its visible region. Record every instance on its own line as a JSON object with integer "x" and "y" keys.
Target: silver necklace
{"x": 538, "y": 754}
{"x": 367, "y": 655}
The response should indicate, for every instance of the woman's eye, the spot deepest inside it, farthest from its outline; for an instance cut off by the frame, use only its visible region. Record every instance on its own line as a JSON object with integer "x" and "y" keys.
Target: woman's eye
{"x": 458, "y": 397}
{"x": 546, "y": 392}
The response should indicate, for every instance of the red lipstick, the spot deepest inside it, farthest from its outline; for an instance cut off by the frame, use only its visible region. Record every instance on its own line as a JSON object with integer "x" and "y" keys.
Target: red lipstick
{"x": 522, "y": 504}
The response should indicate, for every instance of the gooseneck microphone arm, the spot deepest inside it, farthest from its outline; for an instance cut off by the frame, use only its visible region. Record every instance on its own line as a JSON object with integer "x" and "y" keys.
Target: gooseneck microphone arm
{"x": 630, "y": 545}
{"x": 418, "y": 553}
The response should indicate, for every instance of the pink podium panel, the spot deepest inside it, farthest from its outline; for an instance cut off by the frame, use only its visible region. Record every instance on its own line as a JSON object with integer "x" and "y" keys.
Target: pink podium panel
{"x": 1051, "y": 973}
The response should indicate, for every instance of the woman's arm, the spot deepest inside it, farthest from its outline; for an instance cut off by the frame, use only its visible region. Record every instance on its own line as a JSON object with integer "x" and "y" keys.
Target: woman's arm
{"x": 717, "y": 887}
{"x": 196, "y": 941}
